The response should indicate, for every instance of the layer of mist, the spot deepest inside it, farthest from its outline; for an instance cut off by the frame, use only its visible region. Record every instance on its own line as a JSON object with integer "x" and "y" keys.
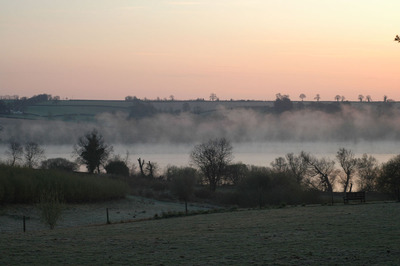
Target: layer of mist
{"x": 237, "y": 125}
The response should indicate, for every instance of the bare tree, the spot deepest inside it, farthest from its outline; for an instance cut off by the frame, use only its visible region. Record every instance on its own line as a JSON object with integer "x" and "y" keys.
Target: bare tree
{"x": 15, "y": 152}
{"x": 368, "y": 169}
{"x": 317, "y": 97}
{"x": 279, "y": 165}
{"x": 183, "y": 181}
{"x": 33, "y": 154}
{"x": 361, "y": 97}
{"x": 141, "y": 167}
{"x": 212, "y": 158}
{"x": 319, "y": 172}
{"x": 348, "y": 163}
{"x": 297, "y": 166}
{"x": 151, "y": 169}
{"x": 302, "y": 97}
{"x": 213, "y": 97}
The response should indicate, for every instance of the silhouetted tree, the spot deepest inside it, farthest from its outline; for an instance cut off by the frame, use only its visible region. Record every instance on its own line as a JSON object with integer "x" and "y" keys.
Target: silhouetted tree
{"x": 389, "y": 178}
{"x": 302, "y": 96}
{"x": 182, "y": 183}
{"x": 297, "y": 167}
{"x": 368, "y": 98}
{"x": 337, "y": 98}
{"x": 212, "y": 158}
{"x": 213, "y": 97}
{"x": 348, "y": 163}
{"x": 397, "y": 38}
{"x": 33, "y": 154}
{"x": 319, "y": 172}
{"x": 236, "y": 172}
{"x": 279, "y": 165}
{"x": 368, "y": 169}
{"x": 151, "y": 169}
{"x": 317, "y": 97}
{"x": 141, "y": 167}
{"x": 92, "y": 151}
{"x": 361, "y": 97}
{"x": 15, "y": 152}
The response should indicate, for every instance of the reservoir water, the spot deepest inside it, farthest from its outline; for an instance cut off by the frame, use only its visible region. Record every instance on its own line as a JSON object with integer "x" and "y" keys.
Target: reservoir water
{"x": 260, "y": 153}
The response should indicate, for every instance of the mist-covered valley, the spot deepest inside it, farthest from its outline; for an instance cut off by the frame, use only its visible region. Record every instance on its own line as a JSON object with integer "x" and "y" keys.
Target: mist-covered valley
{"x": 257, "y": 137}
{"x": 238, "y": 125}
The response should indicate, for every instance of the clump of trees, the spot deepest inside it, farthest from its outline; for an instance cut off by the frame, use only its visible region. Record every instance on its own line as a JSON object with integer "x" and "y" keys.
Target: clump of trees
{"x": 29, "y": 154}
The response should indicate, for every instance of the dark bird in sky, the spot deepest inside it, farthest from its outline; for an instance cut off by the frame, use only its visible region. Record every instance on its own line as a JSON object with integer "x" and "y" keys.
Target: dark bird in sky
{"x": 397, "y": 38}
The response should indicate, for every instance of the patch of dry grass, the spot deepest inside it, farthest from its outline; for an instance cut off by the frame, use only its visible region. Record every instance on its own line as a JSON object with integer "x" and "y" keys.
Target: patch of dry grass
{"x": 355, "y": 234}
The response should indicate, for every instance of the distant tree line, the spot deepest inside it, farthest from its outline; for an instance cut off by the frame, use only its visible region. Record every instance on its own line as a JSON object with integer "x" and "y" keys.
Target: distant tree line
{"x": 19, "y": 104}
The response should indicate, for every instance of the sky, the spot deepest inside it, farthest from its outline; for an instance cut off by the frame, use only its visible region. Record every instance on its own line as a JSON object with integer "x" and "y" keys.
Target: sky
{"x": 237, "y": 49}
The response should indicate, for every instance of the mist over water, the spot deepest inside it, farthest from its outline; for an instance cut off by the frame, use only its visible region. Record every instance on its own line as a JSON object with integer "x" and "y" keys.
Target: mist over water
{"x": 257, "y": 137}
{"x": 237, "y": 125}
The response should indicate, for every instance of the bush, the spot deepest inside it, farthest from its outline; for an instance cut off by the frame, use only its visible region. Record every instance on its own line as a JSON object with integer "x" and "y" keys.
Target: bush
{"x": 50, "y": 207}
{"x": 59, "y": 164}
{"x": 117, "y": 167}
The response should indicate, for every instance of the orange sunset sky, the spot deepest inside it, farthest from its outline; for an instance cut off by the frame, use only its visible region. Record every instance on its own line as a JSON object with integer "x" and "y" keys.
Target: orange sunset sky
{"x": 238, "y": 49}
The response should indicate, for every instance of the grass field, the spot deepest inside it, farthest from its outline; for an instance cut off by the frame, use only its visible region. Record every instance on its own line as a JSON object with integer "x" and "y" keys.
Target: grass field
{"x": 355, "y": 234}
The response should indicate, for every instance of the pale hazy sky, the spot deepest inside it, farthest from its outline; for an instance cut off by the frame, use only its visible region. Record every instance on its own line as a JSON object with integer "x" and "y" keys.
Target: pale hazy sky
{"x": 240, "y": 49}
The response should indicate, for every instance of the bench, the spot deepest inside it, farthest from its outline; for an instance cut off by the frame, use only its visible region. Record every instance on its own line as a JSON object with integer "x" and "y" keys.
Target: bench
{"x": 354, "y": 196}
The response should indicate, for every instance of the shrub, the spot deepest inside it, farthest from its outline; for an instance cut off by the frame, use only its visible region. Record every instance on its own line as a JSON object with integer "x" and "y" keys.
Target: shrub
{"x": 59, "y": 164}
{"x": 117, "y": 167}
{"x": 50, "y": 206}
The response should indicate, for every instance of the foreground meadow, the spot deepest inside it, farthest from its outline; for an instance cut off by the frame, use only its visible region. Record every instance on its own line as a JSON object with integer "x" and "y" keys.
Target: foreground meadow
{"x": 355, "y": 234}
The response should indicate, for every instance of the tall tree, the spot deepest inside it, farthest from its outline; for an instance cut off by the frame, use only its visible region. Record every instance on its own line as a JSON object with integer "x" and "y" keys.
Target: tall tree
{"x": 182, "y": 182}
{"x": 15, "y": 152}
{"x": 389, "y": 179}
{"x": 368, "y": 169}
{"x": 212, "y": 158}
{"x": 348, "y": 163}
{"x": 33, "y": 154}
{"x": 297, "y": 166}
{"x": 92, "y": 151}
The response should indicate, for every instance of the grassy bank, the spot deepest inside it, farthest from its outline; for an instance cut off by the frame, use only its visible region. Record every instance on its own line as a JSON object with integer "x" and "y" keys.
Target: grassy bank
{"x": 23, "y": 185}
{"x": 318, "y": 235}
